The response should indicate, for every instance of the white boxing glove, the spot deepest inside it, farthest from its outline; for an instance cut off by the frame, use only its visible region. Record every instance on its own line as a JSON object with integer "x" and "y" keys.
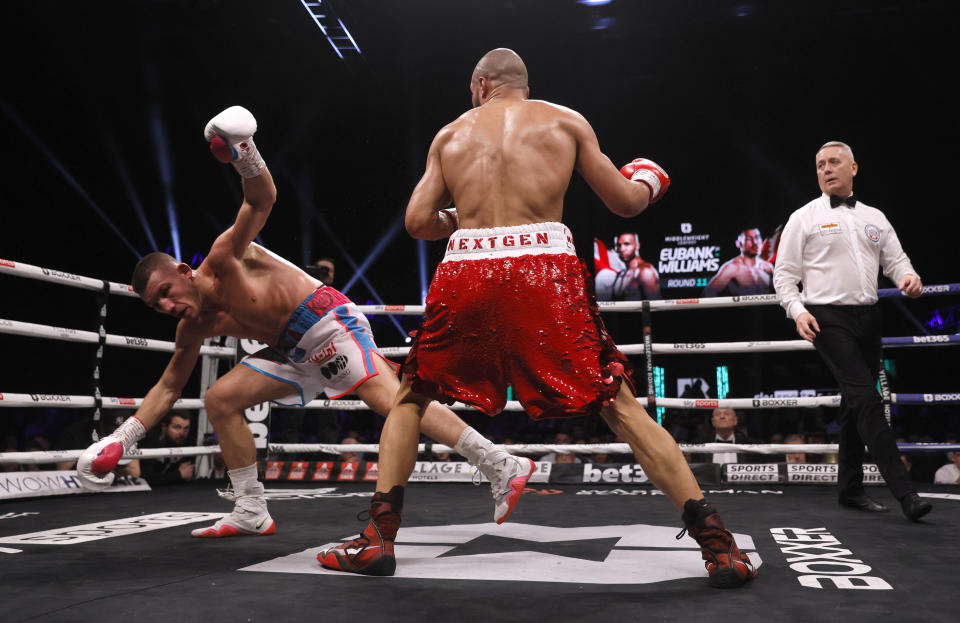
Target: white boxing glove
{"x": 95, "y": 466}
{"x": 230, "y": 135}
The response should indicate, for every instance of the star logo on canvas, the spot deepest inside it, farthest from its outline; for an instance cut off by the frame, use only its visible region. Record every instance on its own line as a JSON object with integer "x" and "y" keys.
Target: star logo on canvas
{"x": 618, "y": 554}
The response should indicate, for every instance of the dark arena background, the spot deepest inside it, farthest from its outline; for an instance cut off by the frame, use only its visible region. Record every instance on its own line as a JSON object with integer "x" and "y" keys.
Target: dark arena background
{"x": 102, "y": 111}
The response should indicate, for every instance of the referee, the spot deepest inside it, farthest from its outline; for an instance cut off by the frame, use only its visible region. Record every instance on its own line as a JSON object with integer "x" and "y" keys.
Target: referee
{"x": 835, "y": 246}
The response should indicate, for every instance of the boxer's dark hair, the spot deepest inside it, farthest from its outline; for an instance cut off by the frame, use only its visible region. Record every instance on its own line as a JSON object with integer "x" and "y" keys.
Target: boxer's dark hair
{"x": 145, "y": 267}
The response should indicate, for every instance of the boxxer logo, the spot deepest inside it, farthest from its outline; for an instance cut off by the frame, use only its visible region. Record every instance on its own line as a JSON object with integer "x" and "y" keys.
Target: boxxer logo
{"x": 49, "y": 398}
{"x": 823, "y": 562}
{"x": 60, "y": 274}
{"x": 630, "y": 554}
{"x": 775, "y": 402}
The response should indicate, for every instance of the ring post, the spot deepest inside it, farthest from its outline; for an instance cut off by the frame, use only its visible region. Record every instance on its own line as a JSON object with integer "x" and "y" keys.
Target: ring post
{"x": 102, "y": 297}
{"x": 645, "y": 319}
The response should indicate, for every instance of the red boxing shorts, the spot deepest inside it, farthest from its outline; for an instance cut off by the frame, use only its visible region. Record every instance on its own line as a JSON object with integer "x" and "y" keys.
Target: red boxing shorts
{"x": 510, "y": 306}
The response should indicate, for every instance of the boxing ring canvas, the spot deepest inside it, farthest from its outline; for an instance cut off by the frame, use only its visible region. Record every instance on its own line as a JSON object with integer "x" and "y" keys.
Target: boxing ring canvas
{"x": 568, "y": 553}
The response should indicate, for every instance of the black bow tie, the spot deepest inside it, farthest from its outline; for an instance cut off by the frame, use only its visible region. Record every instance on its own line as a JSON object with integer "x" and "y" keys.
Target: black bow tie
{"x": 837, "y": 201}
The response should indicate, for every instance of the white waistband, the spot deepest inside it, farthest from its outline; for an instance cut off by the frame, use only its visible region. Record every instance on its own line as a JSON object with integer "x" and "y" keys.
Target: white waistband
{"x": 530, "y": 239}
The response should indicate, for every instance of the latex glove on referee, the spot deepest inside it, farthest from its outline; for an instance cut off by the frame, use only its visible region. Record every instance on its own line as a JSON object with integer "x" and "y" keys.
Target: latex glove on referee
{"x": 230, "y": 135}
{"x": 95, "y": 466}
{"x": 650, "y": 173}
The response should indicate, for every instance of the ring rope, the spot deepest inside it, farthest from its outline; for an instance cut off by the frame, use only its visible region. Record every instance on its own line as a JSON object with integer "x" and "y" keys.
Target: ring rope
{"x": 82, "y": 402}
{"x": 63, "y": 278}
{"x": 682, "y": 303}
{"x": 686, "y": 348}
{"x": 15, "y": 327}
{"x": 56, "y": 276}
{"x": 752, "y": 300}
{"x": 780, "y": 345}
{"x": 57, "y": 456}
{"x": 29, "y": 329}
{"x": 113, "y": 402}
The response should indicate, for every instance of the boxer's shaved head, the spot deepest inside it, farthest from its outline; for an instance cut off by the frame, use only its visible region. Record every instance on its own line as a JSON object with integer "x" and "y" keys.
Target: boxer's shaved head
{"x": 502, "y": 67}
{"x": 147, "y": 265}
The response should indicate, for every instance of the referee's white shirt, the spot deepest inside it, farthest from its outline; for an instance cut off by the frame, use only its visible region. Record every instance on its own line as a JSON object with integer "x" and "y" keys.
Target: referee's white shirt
{"x": 837, "y": 254}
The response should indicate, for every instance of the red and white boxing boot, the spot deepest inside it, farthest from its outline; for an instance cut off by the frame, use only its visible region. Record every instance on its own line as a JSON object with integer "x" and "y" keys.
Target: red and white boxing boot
{"x": 371, "y": 553}
{"x": 508, "y": 478}
{"x": 249, "y": 516}
{"x": 508, "y": 474}
{"x": 726, "y": 565}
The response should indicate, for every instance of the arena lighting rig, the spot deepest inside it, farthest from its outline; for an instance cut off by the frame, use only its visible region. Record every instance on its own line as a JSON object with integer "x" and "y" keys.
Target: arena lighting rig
{"x": 332, "y": 27}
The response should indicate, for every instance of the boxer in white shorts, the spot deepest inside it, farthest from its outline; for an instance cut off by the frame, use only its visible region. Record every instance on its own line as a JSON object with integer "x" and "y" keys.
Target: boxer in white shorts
{"x": 319, "y": 341}
{"x": 327, "y": 346}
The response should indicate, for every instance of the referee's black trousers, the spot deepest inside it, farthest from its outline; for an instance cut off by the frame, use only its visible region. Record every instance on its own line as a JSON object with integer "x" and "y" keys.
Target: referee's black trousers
{"x": 849, "y": 344}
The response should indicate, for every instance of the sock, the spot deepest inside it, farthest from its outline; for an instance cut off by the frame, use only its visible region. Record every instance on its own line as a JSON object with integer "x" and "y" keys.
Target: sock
{"x": 477, "y": 449}
{"x": 244, "y": 480}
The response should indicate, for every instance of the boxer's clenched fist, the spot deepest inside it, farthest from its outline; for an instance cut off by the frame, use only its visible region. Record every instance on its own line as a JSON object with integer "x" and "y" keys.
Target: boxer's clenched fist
{"x": 649, "y": 173}
{"x": 230, "y": 135}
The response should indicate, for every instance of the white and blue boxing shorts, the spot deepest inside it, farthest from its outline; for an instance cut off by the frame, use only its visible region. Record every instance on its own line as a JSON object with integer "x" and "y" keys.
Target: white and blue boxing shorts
{"x": 326, "y": 347}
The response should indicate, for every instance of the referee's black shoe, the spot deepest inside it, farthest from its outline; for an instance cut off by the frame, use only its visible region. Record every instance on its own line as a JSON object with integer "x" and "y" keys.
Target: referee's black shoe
{"x": 914, "y": 508}
{"x": 862, "y": 502}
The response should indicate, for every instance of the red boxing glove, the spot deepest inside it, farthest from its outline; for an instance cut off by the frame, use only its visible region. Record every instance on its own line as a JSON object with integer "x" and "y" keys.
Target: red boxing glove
{"x": 651, "y": 174}
{"x": 95, "y": 465}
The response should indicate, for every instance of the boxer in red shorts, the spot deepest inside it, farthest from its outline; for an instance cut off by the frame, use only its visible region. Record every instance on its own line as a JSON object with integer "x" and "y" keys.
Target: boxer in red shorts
{"x": 500, "y": 273}
{"x": 503, "y": 309}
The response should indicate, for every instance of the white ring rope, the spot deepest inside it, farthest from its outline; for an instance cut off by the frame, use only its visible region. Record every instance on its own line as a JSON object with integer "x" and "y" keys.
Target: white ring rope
{"x": 84, "y": 402}
{"x": 805, "y": 402}
{"x": 15, "y": 327}
{"x": 685, "y": 348}
{"x": 57, "y": 456}
{"x": 63, "y": 278}
{"x": 675, "y": 304}
{"x": 56, "y": 276}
